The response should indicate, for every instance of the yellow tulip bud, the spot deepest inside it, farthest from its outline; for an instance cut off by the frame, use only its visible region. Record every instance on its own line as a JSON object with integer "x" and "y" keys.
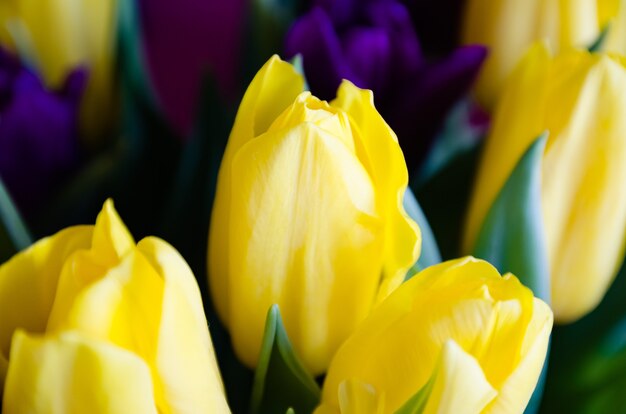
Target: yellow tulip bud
{"x": 92, "y": 322}
{"x": 578, "y": 98}
{"x": 308, "y": 215}
{"x": 508, "y": 28}
{"x": 60, "y": 35}
{"x": 476, "y": 340}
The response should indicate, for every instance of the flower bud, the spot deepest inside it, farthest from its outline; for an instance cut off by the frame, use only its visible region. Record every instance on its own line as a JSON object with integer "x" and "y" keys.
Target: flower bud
{"x": 308, "y": 215}
{"x": 577, "y": 98}
{"x": 92, "y": 322}
{"x": 467, "y": 339}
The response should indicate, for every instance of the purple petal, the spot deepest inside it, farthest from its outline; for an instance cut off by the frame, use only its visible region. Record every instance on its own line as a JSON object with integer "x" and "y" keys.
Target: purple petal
{"x": 396, "y": 20}
{"x": 420, "y": 112}
{"x": 182, "y": 40}
{"x": 369, "y": 53}
{"x": 314, "y": 37}
{"x": 74, "y": 85}
{"x": 341, "y": 12}
{"x": 38, "y": 138}
{"x": 449, "y": 79}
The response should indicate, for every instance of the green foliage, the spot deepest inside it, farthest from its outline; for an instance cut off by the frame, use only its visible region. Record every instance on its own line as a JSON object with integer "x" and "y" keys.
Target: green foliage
{"x": 281, "y": 382}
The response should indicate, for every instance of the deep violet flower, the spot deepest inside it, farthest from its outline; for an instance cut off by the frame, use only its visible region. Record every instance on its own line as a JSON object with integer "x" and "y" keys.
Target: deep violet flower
{"x": 373, "y": 44}
{"x": 38, "y": 130}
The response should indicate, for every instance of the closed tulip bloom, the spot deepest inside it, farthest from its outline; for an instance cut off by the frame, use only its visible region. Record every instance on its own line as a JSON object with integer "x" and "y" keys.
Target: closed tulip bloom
{"x": 57, "y": 36}
{"x": 92, "y": 322}
{"x": 475, "y": 340}
{"x": 508, "y": 28}
{"x": 578, "y": 98}
{"x": 308, "y": 215}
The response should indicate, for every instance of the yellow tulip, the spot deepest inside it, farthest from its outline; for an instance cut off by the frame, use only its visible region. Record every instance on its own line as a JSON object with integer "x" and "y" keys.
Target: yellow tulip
{"x": 475, "y": 340}
{"x": 578, "y": 98}
{"x": 92, "y": 322}
{"x": 508, "y": 28}
{"x": 308, "y": 215}
{"x": 60, "y": 35}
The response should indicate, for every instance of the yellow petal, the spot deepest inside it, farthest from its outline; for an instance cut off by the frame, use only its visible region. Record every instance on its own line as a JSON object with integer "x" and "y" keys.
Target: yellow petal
{"x": 111, "y": 241}
{"x": 149, "y": 304}
{"x": 518, "y": 388}
{"x": 356, "y": 397}
{"x": 459, "y": 384}
{"x": 308, "y": 108}
{"x": 509, "y": 28}
{"x": 185, "y": 360}
{"x": 111, "y": 238}
{"x": 379, "y": 151}
{"x": 272, "y": 90}
{"x": 584, "y": 206}
{"x": 613, "y": 13}
{"x": 122, "y": 307}
{"x": 465, "y": 300}
{"x": 28, "y": 284}
{"x": 73, "y": 374}
{"x": 304, "y": 233}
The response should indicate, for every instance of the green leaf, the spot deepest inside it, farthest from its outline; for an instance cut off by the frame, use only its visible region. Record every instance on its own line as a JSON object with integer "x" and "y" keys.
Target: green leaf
{"x": 458, "y": 136}
{"x": 512, "y": 236}
{"x": 281, "y": 381}
{"x": 299, "y": 66}
{"x": 14, "y": 235}
{"x": 269, "y": 22}
{"x": 417, "y": 403}
{"x": 597, "y": 45}
{"x": 130, "y": 49}
{"x": 430, "y": 252}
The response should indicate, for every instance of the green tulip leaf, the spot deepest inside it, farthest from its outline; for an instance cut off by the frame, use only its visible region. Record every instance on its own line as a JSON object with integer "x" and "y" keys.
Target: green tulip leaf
{"x": 269, "y": 22}
{"x": 297, "y": 63}
{"x": 597, "y": 45}
{"x": 14, "y": 235}
{"x": 430, "y": 252}
{"x": 458, "y": 136}
{"x": 512, "y": 236}
{"x": 130, "y": 46}
{"x": 281, "y": 382}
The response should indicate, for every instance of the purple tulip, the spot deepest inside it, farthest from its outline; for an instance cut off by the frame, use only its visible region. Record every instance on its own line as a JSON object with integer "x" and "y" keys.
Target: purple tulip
{"x": 373, "y": 44}
{"x": 38, "y": 131}
{"x": 184, "y": 39}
